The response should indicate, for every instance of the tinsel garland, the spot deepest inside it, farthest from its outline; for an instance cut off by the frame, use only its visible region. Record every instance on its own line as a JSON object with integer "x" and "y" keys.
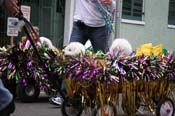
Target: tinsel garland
{"x": 98, "y": 77}
{"x": 137, "y": 76}
{"x": 22, "y": 65}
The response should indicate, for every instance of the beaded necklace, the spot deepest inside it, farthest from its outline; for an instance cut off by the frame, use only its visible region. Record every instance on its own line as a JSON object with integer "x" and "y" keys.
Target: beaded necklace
{"x": 106, "y": 15}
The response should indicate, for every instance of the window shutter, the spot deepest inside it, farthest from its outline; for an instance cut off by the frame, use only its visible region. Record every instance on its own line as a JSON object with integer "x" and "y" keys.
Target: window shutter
{"x": 132, "y": 9}
{"x": 171, "y": 16}
{"x": 137, "y": 10}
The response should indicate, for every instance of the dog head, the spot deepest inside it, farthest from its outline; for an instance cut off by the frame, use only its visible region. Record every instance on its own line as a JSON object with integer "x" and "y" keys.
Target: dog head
{"x": 120, "y": 46}
{"x": 74, "y": 48}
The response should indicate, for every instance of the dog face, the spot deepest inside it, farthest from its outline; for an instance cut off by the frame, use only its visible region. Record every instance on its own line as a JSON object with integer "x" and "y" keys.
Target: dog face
{"x": 74, "y": 48}
{"x": 120, "y": 46}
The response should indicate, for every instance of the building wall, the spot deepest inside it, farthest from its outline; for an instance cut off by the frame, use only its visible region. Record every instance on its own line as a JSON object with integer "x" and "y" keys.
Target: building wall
{"x": 51, "y": 22}
{"x": 45, "y": 14}
{"x": 58, "y": 26}
{"x": 68, "y": 21}
{"x": 154, "y": 29}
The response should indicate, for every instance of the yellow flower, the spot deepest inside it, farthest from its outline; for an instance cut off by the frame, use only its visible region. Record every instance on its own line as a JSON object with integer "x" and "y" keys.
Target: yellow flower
{"x": 147, "y": 50}
{"x": 157, "y": 50}
{"x": 144, "y": 49}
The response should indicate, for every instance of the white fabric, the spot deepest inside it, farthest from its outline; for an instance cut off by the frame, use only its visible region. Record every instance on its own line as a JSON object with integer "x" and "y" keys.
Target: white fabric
{"x": 87, "y": 11}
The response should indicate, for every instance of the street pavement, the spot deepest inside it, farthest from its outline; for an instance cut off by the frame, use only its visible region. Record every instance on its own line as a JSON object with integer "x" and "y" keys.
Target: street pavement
{"x": 42, "y": 107}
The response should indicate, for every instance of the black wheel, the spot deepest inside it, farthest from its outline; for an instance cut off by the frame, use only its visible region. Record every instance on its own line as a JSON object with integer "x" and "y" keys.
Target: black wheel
{"x": 71, "y": 107}
{"x": 109, "y": 110}
{"x": 18, "y": 94}
{"x": 165, "y": 107}
{"x": 27, "y": 93}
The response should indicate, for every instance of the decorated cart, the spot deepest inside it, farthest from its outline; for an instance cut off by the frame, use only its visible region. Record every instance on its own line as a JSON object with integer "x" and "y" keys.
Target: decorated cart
{"x": 29, "y": 67}
{"x": 95, "y": 80}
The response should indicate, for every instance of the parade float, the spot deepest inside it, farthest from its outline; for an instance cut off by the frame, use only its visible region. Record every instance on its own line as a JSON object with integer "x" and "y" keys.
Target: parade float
{"x": 23, "y": 73}
{"x": 94, "y": 80}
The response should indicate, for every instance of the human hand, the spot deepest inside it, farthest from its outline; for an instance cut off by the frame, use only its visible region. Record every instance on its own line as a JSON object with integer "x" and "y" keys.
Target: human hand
{"x": 107, "y": 2}
{"x": 11, "y": 7}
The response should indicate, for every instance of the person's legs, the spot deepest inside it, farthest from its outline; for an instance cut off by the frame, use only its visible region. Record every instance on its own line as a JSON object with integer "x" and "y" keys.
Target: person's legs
{"x": 99, "y": 38}
{"x": 58, "y": 98}
{"x": 78, "y": 33}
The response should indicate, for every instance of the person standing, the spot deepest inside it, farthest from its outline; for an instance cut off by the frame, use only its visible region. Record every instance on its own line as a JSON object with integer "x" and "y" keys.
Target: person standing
{"x": 7, "y": 105}
{"x": 92, "y": 21}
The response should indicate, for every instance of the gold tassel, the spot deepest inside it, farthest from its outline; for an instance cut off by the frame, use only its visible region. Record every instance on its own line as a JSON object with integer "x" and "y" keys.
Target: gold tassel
{"x": 101, "y": 99}
{"x": 68, "y": 87}
{"x": 128, "y": 98}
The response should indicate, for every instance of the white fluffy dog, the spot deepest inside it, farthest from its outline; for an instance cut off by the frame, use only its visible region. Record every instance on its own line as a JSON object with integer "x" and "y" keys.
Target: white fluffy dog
{"x": 46, "y": 42}
{"x": 74, "y": 48}
{"x": 120, "y": 46}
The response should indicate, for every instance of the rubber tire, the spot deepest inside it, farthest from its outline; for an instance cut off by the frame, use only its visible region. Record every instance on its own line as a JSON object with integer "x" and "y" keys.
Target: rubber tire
{"x": 162, "y": 101}
{"x": 113, "y": 107}
{"x": 18, "y": 94}
{"x": 78, "y": 106}
{"x": 24, "y": 97}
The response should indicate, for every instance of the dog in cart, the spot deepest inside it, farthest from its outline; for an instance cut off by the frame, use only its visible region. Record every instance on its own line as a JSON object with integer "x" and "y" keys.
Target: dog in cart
{"x": 122, "y": 47}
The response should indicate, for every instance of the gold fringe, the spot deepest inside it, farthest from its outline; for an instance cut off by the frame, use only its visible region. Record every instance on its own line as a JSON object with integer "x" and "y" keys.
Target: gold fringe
{"x": 133, "y": 92}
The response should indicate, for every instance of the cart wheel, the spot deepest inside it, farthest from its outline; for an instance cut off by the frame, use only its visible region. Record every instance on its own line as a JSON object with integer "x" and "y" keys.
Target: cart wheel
{"x": 71, "y": 109}
{"x": 27, "y": 93}
{"x": 18, "y": 94}
{"x": 165, "y": 107}
{"x": 109, "y": 110}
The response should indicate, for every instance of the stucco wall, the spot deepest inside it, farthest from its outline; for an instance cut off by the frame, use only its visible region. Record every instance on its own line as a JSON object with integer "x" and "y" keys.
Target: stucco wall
{"x": 155, "y": 30}
{"x": 68, "y": 21}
